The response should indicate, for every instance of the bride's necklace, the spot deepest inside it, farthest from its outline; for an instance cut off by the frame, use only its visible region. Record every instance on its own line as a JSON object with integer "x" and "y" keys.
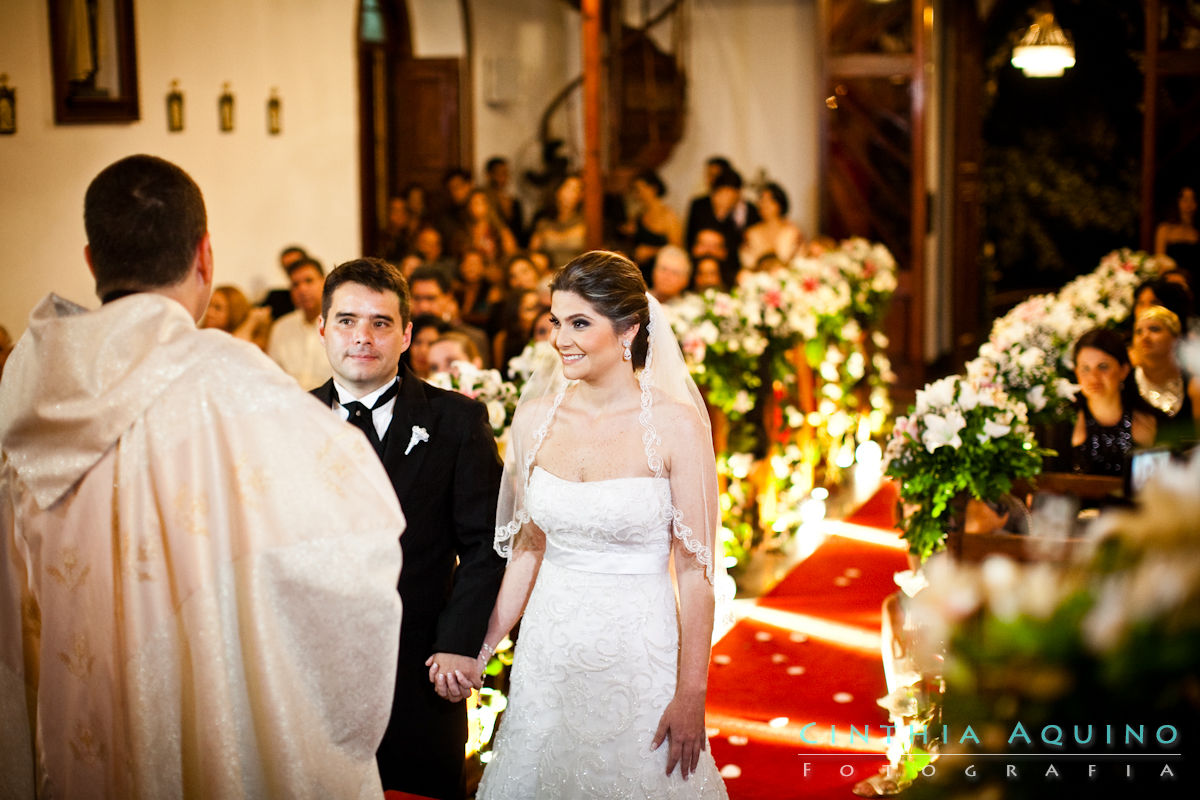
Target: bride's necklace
{"x": 1167, "y": 398}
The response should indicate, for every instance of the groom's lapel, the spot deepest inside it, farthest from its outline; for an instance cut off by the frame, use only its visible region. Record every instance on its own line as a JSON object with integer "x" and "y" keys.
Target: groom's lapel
{"x": 411, "y": 410}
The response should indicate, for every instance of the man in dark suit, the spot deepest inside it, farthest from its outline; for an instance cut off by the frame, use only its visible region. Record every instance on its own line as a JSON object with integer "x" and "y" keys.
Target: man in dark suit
{"x": 439, "y": 452}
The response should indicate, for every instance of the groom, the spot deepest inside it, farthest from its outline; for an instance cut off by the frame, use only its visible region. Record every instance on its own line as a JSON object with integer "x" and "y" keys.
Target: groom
{"x": 439, "y": 452}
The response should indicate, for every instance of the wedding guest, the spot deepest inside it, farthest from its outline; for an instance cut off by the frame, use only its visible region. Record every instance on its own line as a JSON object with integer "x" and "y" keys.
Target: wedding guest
{"x": 1162, "y": 292}
{"x": 610, "y": 487}
{"x": 198, "y": 564}
{"x": 730, "y": 215}
{"x": 707, "y": 275}
{"x": 453, "y": 346}
{"x": 520, "y": 275}
{"x": 1172, "y": 393}
{"x": 483, "y": 229}
{"x": 396, "y": 238}
{"x": 453, "y": 220}
{"x": 510, "y": 341}
{"x": 294, "y": 343}
{"x": 1178, "y": 238}
{"x": 562, "y": 233}
{"x": 427, "y": 329}
{"x": 472, "y": 291}
{"x": 700, "y": 206}
{"x": 710, "y": 243}
{"x": 775, "y": 233}
{"x": 428, "y": 245}
{"x": 497, "y": 173}
{"x": 227, "y": 309}
{"x": 672, "y": 274}
{"x": 655, "y": 225}
{"x": 431, "y": 294}
{"x": 280, "y": 300}
{"x": 1112, "y": 417}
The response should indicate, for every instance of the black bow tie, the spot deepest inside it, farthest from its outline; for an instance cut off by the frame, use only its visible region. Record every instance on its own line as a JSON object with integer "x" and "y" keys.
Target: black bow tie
{"x": 362, "y": 418}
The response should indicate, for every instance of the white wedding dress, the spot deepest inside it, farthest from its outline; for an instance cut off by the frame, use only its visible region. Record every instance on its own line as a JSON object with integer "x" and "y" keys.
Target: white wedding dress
{"x": 597, "y": 656}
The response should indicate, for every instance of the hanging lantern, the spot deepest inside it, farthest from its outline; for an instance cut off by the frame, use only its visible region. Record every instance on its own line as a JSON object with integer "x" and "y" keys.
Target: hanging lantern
{"x": 1045, "y": 50}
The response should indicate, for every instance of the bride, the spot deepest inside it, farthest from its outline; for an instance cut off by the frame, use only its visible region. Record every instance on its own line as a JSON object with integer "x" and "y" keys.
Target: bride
{"x": 609, "y": 491}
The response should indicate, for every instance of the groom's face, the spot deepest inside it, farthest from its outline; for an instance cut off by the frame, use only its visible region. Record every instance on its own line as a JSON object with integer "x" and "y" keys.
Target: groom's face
{"x": 364, "y": 336}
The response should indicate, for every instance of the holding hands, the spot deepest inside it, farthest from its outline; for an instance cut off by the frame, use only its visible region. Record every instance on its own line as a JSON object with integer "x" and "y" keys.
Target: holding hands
{"x": 454, "y": 676}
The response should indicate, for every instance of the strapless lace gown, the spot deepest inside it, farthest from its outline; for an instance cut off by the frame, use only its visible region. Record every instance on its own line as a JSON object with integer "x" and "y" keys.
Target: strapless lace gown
{"x": 595, "y": 664}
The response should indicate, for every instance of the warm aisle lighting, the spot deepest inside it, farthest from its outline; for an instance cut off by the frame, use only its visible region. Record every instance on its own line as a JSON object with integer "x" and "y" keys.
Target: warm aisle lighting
{"x": 848, "y": 636}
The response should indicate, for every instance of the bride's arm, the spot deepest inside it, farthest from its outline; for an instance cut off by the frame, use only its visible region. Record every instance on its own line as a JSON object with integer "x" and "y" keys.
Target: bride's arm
{"x": 694, "y": 493}
{"x": 518, "y": 582}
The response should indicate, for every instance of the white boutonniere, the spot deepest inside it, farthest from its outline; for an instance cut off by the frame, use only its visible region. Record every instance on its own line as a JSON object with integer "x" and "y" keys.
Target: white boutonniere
{"x": 419, "y": 435}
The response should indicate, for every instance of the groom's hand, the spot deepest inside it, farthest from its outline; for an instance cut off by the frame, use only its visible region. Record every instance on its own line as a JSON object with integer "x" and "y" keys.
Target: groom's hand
{"x": 454, "y": 676}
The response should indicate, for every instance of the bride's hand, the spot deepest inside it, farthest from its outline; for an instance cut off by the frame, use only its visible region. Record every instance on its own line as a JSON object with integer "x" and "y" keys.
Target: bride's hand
{"x": 682, "y": 724}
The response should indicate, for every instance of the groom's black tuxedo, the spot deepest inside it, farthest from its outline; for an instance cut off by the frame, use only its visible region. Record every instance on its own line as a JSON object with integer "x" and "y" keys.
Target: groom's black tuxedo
{"x": 447, "y": 488}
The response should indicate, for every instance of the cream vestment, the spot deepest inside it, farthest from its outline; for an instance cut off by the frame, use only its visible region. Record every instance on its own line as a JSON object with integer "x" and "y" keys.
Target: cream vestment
{"x": 198, "y": 568}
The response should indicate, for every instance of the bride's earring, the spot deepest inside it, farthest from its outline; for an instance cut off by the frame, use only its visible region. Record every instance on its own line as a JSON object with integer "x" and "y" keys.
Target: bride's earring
{"x": 627, "y": 355}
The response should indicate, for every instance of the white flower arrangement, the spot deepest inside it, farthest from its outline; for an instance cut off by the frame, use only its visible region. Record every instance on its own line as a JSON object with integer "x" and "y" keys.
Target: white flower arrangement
{"x": 485, "y": 385}
{"x": 962, "y": 435}
{"x": 1029, "y": 349}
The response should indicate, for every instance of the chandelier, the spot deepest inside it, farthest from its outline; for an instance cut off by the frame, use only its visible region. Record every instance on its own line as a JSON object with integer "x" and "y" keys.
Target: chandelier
{"x": 1045, "y": 50}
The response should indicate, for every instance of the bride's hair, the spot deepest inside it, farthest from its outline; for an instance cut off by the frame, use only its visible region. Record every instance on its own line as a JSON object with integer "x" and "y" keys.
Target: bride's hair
{"x": 613, "y": 285}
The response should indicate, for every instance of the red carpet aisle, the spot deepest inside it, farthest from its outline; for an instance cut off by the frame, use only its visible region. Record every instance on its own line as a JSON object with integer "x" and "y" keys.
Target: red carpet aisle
{"x": 809, "y": 652}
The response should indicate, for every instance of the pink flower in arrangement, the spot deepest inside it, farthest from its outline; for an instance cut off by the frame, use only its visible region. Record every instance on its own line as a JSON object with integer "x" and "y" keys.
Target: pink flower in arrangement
{"x": 869, "y": 268}
{"x": 810, "y": 283}
{"x": 773, "y": 298}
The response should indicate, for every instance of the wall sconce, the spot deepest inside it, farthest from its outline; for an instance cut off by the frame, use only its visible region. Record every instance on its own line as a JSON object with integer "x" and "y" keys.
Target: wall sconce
{"x": 174, "y": 108}
{"x": 225, "y": 109}
{"x": 8, "y": 107}
{"x": 274, "y": 122}
{"x": 1045, "y": 49}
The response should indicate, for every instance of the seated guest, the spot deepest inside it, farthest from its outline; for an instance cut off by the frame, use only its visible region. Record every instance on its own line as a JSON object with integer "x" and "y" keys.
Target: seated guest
{"x": 1172, "y": 394}
{"x": 520, "y": 314}
{"x": 227, "y": 309}
{"x": 672, "y": 274}
{"x": 396, "y": 237}
{"x": 294, "y": 342}
{"x": 775, "y": 233}
{"x": 431, "y": 295}
{"x": 710, "y": 243}
{"x": 1112, "y": 419}
{"x": 472, "y": 291}
{"x": 655, "y": 225}
{"x": 707, "y": 275}
{"x": 428, "y": 245}
{"x": 1162, "y": 292}
{"x": 561, "y": 231}
{"x": 453, "y": 346}
{"x": 1177, "y": 237}
{"x": 483, "y": 229}
{"x": 426, "y": 329}
{"x": 280, "y": 300}
{"x": 497, "y": 174}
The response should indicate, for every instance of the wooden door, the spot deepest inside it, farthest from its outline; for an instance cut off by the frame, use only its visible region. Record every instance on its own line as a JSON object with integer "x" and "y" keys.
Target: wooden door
{"x": 873, "y": 142}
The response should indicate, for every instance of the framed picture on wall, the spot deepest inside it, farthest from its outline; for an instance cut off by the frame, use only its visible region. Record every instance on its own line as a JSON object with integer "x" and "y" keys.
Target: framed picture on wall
{"x": 95, "y": 61}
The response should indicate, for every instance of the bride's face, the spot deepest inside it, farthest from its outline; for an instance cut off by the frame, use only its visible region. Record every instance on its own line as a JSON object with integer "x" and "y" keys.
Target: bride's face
{"x": 585, "y": 339}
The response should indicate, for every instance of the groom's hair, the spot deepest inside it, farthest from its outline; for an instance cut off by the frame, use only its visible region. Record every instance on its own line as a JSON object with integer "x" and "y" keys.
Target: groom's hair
{"x": 614, "y": 286}
{"x": 373, "y": 273}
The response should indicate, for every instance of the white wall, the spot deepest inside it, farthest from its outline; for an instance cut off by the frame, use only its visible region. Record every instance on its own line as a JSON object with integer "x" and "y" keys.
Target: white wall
{"x": 754, "y": 94}
{"x": 262, "y": 191}
{"x": 753, "y": 88}
{"x": 524, "y": 52}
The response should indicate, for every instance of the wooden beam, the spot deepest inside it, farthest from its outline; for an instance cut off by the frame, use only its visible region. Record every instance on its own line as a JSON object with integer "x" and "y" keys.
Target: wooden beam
{"x": 593, "y": 79}
{"x": 1149, "y": 124}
